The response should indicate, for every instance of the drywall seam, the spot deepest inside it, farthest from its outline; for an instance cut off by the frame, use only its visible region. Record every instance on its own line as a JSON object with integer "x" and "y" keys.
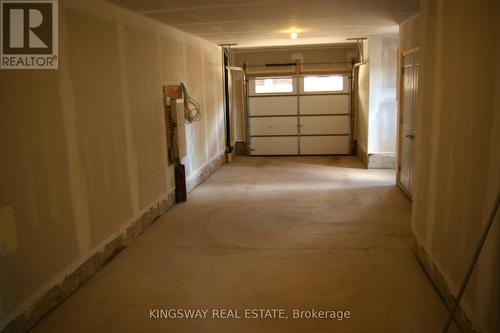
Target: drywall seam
{"x": 443, "y": 285}
{"x": 168, "y": 171}
{"x": 77, "y": 187}
{"x": 53, "y": 293}
{"x": 8, "y": 233}
{"x": 437, "y": 90}
{"x": 129, "y": 142}
{"x": 204, "y": 99}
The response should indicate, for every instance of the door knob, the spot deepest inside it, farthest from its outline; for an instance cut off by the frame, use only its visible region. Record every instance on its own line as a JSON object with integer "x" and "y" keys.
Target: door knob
{"x": 410, "y": 136}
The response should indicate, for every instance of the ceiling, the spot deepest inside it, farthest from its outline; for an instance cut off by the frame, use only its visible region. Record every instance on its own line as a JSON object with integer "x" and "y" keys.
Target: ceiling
{"x": 270, "y": 22}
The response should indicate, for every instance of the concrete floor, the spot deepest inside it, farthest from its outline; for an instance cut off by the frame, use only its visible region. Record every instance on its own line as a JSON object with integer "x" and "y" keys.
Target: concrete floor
{"x": 289, "y": 232}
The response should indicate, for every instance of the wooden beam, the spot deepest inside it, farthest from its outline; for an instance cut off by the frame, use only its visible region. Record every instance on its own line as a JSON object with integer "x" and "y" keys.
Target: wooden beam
{"x": 172, "y": 91}
{"x": 345, "y": 70}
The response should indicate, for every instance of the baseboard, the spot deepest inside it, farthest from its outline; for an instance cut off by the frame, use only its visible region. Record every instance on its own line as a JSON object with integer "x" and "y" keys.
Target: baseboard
{"x": 63, "y": 286}
{"x": 462, "y": 319}
{"x": 382, "y": 161}
{"x": 206, "y": 171}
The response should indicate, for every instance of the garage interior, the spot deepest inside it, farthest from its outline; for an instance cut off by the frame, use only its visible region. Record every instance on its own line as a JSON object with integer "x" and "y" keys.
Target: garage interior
{"x": 313, "y": 155}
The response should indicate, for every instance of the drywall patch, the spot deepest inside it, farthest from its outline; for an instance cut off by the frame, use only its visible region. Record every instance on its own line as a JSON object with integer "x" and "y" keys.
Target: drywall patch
{"x": 462, "y": 319}
{"x": 8, "y": 234}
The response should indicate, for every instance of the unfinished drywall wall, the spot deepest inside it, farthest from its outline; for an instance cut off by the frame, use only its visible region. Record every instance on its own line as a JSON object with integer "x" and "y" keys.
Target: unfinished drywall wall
{"x": 362, "y": 110}
{"x": 376, "y": 113}
{"x": 238, "y": 113}
{"x": 83, "y": 147}
{"x": 383, "y": 51}
{"x": 409, "y": 33}
{"x": 457, "y": 160}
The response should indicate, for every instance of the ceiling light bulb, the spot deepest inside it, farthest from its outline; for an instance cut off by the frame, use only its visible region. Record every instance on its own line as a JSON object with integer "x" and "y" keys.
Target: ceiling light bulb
{"x": 294, "y": 35}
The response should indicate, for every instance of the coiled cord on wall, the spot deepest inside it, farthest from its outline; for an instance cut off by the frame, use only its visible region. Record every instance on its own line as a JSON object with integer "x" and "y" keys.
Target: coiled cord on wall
{"x": 191, "y": 107}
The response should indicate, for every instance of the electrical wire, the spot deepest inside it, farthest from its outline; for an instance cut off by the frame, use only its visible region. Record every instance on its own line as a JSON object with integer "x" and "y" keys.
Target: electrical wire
{"x": 192, "y": 108}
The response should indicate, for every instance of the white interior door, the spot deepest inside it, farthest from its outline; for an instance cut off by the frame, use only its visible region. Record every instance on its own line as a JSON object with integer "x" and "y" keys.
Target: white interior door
{"x": 407, "y": 133}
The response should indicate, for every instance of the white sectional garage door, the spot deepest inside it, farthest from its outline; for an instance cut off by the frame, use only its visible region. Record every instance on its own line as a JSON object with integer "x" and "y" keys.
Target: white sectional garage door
{"x": 299, "y": 115}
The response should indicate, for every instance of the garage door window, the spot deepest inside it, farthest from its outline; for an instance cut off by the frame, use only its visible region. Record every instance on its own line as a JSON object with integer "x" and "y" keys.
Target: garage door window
{"x": 267, "y": 86}
{"x": 323, "y": 83}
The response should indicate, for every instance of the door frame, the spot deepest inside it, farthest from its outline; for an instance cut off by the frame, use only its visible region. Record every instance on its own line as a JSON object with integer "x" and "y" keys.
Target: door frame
{"x": 403, "y": 54}
{"x": 227, "y": 101}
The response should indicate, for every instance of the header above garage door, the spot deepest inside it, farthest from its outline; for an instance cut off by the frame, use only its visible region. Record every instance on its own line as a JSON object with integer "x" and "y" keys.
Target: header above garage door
{"x": 326, "y": 59}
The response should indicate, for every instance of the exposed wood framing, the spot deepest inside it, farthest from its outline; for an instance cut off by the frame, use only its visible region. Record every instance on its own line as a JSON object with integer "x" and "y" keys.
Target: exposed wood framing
{"x": 301, "y": 72}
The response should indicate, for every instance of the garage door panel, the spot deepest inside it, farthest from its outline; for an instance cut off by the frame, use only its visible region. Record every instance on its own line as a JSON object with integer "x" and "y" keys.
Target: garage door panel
{"x": 273, "y": 126}
{"x": 324, "y": 145}
{"x": 324, "y": 125}
{"x": 317, "y": 121}
{"x": 275, "y": 145}
{"x": 324, "y": 104}
{"x": 273, "y": 106}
